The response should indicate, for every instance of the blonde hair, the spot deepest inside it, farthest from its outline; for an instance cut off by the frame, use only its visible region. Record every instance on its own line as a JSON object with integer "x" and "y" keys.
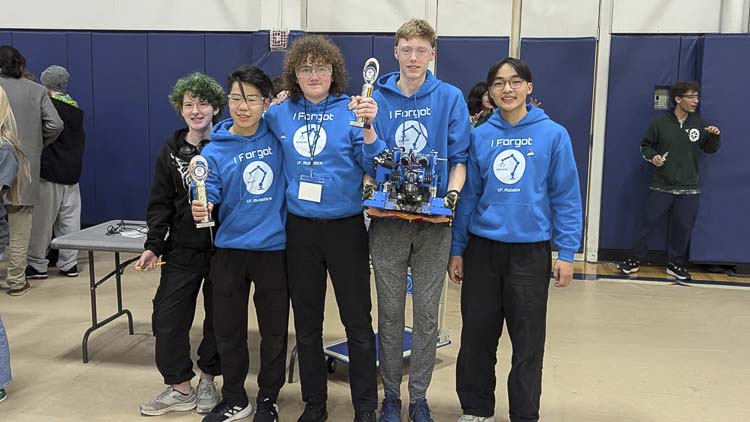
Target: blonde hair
{"x": 9, "y": 134}
{"x": 416, "y": 28}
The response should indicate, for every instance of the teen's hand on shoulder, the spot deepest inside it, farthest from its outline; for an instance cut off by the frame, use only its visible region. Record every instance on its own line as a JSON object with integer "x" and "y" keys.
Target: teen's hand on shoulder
{"x": 147, "y": 261}
{"x": 713, "y": 130}
{"x": 199, "y": 210}
{"x": 456, "y": 269}
{"x": 563, "y": 273}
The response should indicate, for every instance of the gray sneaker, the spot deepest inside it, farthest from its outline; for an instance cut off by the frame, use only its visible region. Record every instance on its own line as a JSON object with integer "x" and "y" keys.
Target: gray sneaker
{"x": 472, "y": 418}
{"x": 170, "y": 400}
{"x": 207, "y": 397}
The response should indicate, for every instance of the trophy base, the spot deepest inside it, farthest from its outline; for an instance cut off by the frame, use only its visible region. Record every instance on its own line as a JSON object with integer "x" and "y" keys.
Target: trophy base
{"x": 357, "y": 123}
{"x": 204, "y": 224}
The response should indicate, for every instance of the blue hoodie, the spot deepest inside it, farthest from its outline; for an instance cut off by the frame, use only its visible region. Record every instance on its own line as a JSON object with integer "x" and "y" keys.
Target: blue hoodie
{"x": 337, "y": 154}
{"x": 521, "y": 185}
{"x": 245, "y": 178}
{"x": 433, "y": 118}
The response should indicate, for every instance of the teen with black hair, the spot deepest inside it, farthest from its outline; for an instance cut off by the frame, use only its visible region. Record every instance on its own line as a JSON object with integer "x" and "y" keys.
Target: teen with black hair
{"x": 246, "y": 177}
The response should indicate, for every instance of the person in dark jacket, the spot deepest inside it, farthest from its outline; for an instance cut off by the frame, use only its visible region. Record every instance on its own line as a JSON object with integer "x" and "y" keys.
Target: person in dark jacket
{"x": 59, "y": 209}
{"x": 185, "y": 251}
{"x": 673, "y": 144}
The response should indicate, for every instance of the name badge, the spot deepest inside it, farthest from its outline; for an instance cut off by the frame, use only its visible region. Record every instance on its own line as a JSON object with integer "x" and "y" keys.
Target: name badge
{"x": 310, "y": 188}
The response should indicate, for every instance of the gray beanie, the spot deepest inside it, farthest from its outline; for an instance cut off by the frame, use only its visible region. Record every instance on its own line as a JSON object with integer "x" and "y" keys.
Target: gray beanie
{"x": 55, "y": 78}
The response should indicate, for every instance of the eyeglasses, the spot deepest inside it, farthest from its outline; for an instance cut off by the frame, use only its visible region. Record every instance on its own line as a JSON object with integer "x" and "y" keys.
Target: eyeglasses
{"x": 306, "y": 72}
{"x": 691, "y": 97}
{"x": 406, "y": 52}
{"x": 251, "y": 100}
{"x": 197, "y": 104}
{"x": 499, "y": 84}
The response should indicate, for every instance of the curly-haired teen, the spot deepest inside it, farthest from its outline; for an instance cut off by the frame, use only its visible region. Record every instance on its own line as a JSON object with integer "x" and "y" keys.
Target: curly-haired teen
{"x": 186, "y": 250}
{"x": 325, "y": 228}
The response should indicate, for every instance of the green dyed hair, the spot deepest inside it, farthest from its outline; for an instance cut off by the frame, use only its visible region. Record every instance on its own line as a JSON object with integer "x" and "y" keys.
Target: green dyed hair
{"x": 200, "y": 86}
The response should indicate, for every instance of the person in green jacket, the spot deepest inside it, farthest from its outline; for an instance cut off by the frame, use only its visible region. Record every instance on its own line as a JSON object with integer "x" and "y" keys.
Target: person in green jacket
{"x": 673, "y": 144}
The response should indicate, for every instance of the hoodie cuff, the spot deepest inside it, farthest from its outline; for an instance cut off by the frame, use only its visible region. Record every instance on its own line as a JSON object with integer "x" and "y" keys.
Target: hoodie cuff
{"x": 566, "y": 255}
{"x": 374, "y": 148}
{"x": 457, "y": 250}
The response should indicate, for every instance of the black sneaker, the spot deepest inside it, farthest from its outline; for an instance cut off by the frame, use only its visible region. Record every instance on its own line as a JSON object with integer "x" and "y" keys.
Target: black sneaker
{"x": 314, "y": 412}
{"x": 226, "y": 412}
{"x": 365, "y": 416}
{"x": 32, "y": 274}
{"x": 678, "y": 272}
{"x": 72, "y": 272}
{"x": 630, "y": 265}
{"x": 266, "y": 411}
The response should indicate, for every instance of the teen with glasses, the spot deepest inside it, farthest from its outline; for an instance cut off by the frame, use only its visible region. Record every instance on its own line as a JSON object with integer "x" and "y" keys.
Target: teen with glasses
{"x": 325, "y": 226}
{"x": 521, "y": 196}
{"x": 245, "y": 176}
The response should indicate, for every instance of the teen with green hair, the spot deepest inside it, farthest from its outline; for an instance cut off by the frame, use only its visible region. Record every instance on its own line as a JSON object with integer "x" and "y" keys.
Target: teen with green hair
{"x": 186, "y": 251}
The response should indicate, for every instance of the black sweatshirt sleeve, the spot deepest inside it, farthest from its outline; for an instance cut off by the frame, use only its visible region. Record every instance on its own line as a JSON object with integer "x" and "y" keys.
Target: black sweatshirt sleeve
{"x": 161, "y": 208}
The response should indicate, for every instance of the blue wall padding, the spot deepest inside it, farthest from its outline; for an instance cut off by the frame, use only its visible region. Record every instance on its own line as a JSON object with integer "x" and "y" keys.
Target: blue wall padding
{"x": 170, "y": 57}
{"x": 5, "y": 38}
{"x": 356, "y": 49}
{"x": 637, "y": 65}
{"x": 464, "y": 61}
{"x": 722, "y": 228}
{"x": 41, "y": 49}
{"x": 690, "y": 53}
{"x": 382, "y": 49}
{"x": 81, "y": 87}
{"x": 226, "y": 52}
{"x": 563, "y": 77}
{"x": 121, "y": 127}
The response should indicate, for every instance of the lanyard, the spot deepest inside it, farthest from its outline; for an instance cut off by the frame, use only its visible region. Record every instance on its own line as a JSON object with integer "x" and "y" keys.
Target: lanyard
{"x": 313, "y": 146}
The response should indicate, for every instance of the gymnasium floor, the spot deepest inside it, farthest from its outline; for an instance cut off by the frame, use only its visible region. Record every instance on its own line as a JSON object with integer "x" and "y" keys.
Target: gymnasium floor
{"x": 617, "y": 350}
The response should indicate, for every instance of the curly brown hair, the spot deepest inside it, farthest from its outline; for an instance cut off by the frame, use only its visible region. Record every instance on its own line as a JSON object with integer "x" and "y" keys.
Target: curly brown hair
{"x": 320, "y": 50}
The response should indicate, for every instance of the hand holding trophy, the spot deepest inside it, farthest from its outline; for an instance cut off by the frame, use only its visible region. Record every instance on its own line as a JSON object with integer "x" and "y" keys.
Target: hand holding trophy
{"x": 370, "y": 73}
{"x": 198, "y": 174}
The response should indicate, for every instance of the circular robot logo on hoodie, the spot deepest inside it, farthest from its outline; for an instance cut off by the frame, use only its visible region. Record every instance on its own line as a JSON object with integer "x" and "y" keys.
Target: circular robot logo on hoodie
{"x": 411, "y": 135}
{"x": 694, "y": 134}
{"x": 258, "y": 177}
{"x": 509, "y": 166}
{"x": 309, "y": 136}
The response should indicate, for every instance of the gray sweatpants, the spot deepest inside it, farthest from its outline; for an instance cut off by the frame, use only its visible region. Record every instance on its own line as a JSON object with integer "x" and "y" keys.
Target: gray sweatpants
{"x": 394, "y": 246}
{"x": 58, "y": 212}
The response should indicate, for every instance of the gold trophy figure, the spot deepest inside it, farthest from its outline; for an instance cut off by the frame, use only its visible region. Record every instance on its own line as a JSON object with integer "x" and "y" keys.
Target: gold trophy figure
{"x": 370, "y": 73}
{"x": 198, "y": 173}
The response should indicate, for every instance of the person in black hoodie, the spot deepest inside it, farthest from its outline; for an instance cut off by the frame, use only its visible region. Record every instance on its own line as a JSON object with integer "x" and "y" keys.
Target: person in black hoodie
{"x": 59, "y": 208}
{"x": 673, "y": 144}
{"x": 185, "y": 251}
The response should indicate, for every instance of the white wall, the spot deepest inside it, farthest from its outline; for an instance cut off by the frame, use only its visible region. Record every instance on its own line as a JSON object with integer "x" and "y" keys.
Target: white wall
{"x": 666, "y": 16}
{"x": 541, "y": 18}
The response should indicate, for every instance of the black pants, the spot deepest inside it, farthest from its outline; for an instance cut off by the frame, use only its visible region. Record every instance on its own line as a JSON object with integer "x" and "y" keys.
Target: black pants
{"x": 503, "y": 281}
{"x": 232, "y": 271}
{"x": 340, "y": 248}
{"x": 681, "y": 210}
{"x": 174, "y": 311}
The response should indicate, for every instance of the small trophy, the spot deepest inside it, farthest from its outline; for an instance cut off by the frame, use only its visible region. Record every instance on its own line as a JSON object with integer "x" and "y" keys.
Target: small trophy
{"x": 199, "y": 173}
{"x": 370, "y": 73}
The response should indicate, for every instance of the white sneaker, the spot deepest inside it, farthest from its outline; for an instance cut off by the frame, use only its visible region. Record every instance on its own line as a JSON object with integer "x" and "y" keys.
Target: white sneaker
{"x": 207, "y": 398}
{"x": 472, "y": 418}
{"x": 170, "y": 400}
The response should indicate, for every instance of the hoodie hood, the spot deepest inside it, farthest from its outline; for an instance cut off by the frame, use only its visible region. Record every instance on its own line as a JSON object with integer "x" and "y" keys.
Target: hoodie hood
{"x": 534, "y": 115}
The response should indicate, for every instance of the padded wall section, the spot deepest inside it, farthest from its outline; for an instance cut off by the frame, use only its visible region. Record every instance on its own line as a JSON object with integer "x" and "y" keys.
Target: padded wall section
{"x": 121, "y": 126}
{"x": 356, "y": 50}
{"x": 722, "y": 228}
{"x": 464, "y": 61}
{"x": 5, "y": 38}
{"x": 563, "y": 73}
{"x": 81, "y": 88}
{"x": 226, "y": 52}
{"x": 382, "y": 49}
{"x": 170, "y": 57}
{"x": 637, "y": 65}
{"x": 41, "y": 49}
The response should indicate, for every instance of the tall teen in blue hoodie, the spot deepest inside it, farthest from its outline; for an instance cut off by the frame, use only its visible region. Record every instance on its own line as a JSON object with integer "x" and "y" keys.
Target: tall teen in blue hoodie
{"x": 245, "y": 164}
{"x": 325, "y": 226}
{"x": 421, "y": 113}
{"x": 521, "y": 194}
